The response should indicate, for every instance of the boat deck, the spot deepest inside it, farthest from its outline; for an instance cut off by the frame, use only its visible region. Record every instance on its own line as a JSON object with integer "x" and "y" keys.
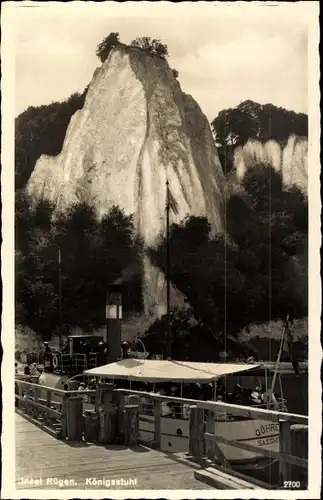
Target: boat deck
{"x": 41, "y": 457}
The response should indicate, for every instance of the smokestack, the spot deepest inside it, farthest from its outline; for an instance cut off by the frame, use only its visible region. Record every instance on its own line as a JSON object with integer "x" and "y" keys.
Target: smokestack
{"x": 113, "y": 314}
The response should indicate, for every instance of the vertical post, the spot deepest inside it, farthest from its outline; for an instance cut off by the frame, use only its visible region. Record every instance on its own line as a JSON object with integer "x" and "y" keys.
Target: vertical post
{"x": 133, "y": 399}
{"x": 48, "y": 398}
{"x": 91, "y": 426}
{"x": 284, "y": 447}
{"x": 60, "y": 293}
{"x": 104, "y": 394}
{"x": 299, "y": 448}
{"x": 36, "y": 397}
{"x": 114, "y": 322}
{"x": 131, "y": 425}
{"x": 118, "y": 400}
{"x": 168, "y": 273}
{"x": 74, "y": 418}
{"x": 107, "y": 414}
{"x": 282, "y": 341}
{"x": 107, "y": 423}
{"x": 21, "y": 395}
{"x": 196, "y": 433}
{"x": 209, "y": 428}
{"x": 157, "y": 421}
{"x": 64, "y": 418}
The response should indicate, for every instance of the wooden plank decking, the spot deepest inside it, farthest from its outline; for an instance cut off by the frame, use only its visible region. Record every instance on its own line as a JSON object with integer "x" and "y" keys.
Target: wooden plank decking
{"x": 41, "y": 456}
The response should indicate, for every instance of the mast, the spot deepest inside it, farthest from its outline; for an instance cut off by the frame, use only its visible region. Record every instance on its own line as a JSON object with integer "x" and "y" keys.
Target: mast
{"x": 169, "y": 340}
{"x": 282, "y": 341}
{"x": 60, "y": 294}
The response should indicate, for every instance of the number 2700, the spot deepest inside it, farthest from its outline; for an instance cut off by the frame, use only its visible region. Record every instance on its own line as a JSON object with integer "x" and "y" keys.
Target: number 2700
{"x": 292, "y": 484}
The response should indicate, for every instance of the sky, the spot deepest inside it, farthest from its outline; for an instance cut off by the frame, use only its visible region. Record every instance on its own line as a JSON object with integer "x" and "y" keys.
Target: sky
{"x": 225, "y": 53}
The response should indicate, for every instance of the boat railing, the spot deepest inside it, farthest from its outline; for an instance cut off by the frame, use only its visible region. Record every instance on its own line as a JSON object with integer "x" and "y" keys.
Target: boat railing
{"x": 146, "y": 407}
{"x": 93, "y": 360}
{"x": 172, "y": 408}
{"x": 280, "y": 405}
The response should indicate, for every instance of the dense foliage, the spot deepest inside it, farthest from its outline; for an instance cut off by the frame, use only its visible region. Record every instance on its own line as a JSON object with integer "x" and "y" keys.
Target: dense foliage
{"x": 93, "y": 254}
{"x": 251, "y": 120}
{"x": 257, "y": 272}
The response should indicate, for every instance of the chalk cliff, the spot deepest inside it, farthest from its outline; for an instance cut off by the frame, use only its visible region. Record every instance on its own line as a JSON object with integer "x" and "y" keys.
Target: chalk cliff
{"x": 136, "y": 130}
{"x": 290, "y": 159}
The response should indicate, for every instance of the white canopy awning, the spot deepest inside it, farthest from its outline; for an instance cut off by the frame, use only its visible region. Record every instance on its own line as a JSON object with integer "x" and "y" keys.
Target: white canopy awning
{"x": 149, "y": 370}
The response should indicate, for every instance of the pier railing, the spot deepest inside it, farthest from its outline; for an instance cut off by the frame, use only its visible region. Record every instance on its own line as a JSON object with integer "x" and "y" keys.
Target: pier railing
{"x": 292, "y": 429}
{"x": 167, "y": 423}
{"x": 47, "y": 407}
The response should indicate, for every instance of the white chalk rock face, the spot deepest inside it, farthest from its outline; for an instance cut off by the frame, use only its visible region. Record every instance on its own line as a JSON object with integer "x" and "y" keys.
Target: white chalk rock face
{"x": 290, "y": 160}
{"x": 136, "y": 130}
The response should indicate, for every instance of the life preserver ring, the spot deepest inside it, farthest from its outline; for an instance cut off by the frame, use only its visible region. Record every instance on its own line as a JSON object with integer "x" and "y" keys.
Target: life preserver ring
{"x": 55, "y": 361}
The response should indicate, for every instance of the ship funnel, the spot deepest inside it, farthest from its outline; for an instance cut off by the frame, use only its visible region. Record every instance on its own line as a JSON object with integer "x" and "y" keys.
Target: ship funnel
{"x": 113, "y": 314}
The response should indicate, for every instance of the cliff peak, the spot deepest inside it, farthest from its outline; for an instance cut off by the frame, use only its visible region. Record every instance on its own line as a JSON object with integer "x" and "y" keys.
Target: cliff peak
{"x": 136, "y": 130}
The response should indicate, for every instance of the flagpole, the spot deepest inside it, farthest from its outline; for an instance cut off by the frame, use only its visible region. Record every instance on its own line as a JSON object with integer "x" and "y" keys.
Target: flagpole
{"x": 168, "y": 271}
{"x": 60, "y": 294}
{"x": 278, "y": 359}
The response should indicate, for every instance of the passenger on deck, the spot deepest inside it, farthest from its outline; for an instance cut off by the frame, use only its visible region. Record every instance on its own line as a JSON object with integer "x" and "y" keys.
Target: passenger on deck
{"x": 48, "y": 358}
{"x": 220, "y": 389}
{"x": 208, "y": 392}
{"x": 92, "y": 384}
{"x": 165, "y": 409}
{"x": 176, "y": 407}
{"x": 102, "y": 353}
{"x": 85, "y": 349}
{"x": 27, "y": 370}
{"x": 65, "y": 348}
{"x": 256, "y": 396}
{"x": 196, "y": 391}
{"x": 237, "y": 394}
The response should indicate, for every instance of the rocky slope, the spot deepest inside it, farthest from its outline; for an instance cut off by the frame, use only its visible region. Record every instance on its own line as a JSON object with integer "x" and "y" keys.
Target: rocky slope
{"x": 136, "y": 130}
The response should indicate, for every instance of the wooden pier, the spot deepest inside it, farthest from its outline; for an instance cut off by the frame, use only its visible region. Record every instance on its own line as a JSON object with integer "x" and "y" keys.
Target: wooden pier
{"x": 81, "y": 466}
{"x": 92, "y": 441}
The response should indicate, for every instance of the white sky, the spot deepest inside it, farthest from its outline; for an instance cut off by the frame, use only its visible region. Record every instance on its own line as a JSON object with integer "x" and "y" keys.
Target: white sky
{"x": 224, "y": 53}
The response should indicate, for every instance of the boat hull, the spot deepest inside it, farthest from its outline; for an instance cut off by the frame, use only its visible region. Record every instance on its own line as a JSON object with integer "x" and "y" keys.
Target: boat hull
{"x": 259, "y": 433}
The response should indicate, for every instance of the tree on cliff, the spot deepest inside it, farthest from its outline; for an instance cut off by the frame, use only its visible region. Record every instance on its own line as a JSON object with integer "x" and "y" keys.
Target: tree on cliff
{"x": 151, "y": 45}
{"x": 251, "y": 120}
{"x": 108, "y": 43}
